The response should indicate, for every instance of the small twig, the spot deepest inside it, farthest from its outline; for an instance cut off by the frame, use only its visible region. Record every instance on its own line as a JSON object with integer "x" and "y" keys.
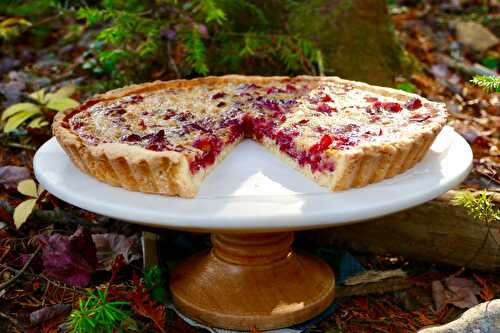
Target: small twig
{"x": 18, "y": 274}
{"x": 12, "y": 320}
{"x": 20, "y": 145}
{"x": 171, "y": 60}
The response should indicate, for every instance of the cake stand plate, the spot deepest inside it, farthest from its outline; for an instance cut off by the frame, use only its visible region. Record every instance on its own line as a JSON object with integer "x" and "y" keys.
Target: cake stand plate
{"x": 251, "y": 203}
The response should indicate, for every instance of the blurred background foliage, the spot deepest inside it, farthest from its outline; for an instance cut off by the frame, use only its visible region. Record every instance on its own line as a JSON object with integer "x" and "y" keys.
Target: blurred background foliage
{"x": 132, "y": 38}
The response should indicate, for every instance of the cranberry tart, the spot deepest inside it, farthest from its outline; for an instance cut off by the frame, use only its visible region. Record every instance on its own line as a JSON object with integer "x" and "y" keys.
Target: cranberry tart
{"x": 165, "y": 137}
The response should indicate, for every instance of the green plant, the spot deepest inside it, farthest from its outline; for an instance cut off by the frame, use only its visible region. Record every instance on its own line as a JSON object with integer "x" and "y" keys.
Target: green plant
{"x": 97, "y": 314}
{"x": 22, "y": 211}
{"x": 407, "y": 86}
{"x": 480, "y": 206}
{"x": 482, "y": 209}
{"x": 488, "y": 83}
{"x": 38, "y": 111}
{"x": 13, "y": 27}
{"x": 198, "y": 36}
{"x": 155, "y": 280}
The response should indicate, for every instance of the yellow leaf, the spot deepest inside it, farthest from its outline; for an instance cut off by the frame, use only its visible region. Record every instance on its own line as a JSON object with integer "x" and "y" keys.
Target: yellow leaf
{"x": 39, "y": 96}
{"x": 62, "y": 103}
{"x": 17, "y": 120}
{"x": 65, "y": 91}
{"x": 14, "y": 21}
{"x": 16, "y": 108}
{"x": 23, "y": 211}
{"x": 28, "y": 187}
{"x": 40, "y": 190}
{"x": 37, "y": 122}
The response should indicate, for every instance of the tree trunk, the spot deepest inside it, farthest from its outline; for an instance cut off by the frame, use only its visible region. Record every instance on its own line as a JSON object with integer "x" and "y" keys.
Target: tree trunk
{"x": 356, "y": 37}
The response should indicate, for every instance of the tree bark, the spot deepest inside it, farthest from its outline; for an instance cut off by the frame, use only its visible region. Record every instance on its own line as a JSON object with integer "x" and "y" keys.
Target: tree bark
{"x": 436, "y": 232}
{"x": 356, "y": 37}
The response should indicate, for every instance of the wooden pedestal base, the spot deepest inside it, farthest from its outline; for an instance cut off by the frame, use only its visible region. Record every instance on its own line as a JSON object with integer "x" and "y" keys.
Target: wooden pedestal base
{"x": 252, "y": 281}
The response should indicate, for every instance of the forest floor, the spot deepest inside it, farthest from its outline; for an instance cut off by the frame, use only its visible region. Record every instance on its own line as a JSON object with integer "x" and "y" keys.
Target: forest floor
{"x": 45, "y": 267}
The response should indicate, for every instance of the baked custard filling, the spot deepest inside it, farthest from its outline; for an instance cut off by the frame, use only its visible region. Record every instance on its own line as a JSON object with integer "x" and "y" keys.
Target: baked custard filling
{"x": 308, "y": 120}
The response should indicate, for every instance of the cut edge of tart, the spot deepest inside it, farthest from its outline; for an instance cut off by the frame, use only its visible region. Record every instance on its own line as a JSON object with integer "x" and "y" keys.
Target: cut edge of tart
{"x": 170, "y": 172}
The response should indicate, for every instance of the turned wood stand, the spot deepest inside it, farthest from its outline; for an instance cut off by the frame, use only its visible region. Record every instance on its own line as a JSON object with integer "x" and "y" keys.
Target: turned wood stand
{"x": 252, "y": 280}
{"x": 251, "y": 203}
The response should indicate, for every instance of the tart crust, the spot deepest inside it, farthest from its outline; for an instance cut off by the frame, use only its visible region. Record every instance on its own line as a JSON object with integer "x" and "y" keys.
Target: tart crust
{"x": 168, "y": 172}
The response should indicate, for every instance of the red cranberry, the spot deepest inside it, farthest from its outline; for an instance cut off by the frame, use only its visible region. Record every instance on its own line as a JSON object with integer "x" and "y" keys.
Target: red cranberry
{"x": 322, "y": 145}
{"x": 158, "y": 137}
{"x": 326, "y": 98}
{"x": 134, "y": 99}
{"x": 371, "y": 99}
{"x": 420, "y": 117}
{"x": 269, "y": 105}
{"x": 169, "y": 114}
{"x": 247, "y": 86}
{"x": 211, "y": 146}
{"x": 290, "y": 88}
{"x": 325, "y": 108}
{"x": 273, "y": 90}
{"x": 221, "y": 104}
{"x": 283, "y": 118}
{"x": 197, "y": 127}
{"x": 218, "y": 95}
{"x": 183, "y": 116}
{"x": 77, "y": 125}
{"x": 303, "y": 121}
{"x": 414, "y": 104}
{"x": 142, "y": 125}
{"x": 392, "y": 106}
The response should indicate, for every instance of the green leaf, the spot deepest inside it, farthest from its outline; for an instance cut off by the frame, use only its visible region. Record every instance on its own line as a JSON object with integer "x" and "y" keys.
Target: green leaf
{"x": 37, "y": 122}
{"x": 16, "y": 108}
{"x": 23, "y": 211}
{"x": 490, "y": 62}
{"x": 407, "y": 86}
{"x": 61, "y": 104}
{"x": 18, "y": 119}
{"x": 65, "y": 91}
{"x": 488, "y": 83}
{"x": 39, "y": 96}
{"x": 28, "y": 187}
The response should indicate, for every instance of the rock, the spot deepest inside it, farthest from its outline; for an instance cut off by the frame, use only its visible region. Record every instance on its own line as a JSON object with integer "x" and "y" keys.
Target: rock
{"x": 483, "y": 318}
{"x": 475, "y": 36}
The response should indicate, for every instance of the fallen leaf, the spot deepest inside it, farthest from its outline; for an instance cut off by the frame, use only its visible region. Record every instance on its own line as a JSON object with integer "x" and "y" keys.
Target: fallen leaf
{"x": 460, "y": 292}
{"x": 28, "y": 187}
{"x": 71, "y": 259}
{"x": 143, "y": 305}
{"x": 11, "y": 175}
{"x": 111, "y": 245}
{"x": 23, "y": 211}
{"x": 62, "y": 103}
{"x": 39, "y": 316}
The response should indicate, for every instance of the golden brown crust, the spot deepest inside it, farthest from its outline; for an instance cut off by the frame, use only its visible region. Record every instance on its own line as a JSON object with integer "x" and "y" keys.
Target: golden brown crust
{"x": 167, "y": 172}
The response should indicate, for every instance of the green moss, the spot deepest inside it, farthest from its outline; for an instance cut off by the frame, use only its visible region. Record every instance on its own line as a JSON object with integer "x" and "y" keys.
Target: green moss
{"x": 356, "y": 37}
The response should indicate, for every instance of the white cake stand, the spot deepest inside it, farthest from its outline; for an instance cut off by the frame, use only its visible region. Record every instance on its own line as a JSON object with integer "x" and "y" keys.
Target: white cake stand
{"x": 251, "y": 203}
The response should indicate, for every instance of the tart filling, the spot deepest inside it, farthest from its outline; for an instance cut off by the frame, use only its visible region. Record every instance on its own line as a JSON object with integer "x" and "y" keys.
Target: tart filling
{"x": 309, "y": 120}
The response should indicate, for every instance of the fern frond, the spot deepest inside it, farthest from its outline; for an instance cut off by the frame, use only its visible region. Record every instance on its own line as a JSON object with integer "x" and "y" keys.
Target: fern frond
{"x": 93, "y": 15}
{"x": 212, "y": 12}
{"x": 488, "y": 83}
{"x": 196, "y": 51}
